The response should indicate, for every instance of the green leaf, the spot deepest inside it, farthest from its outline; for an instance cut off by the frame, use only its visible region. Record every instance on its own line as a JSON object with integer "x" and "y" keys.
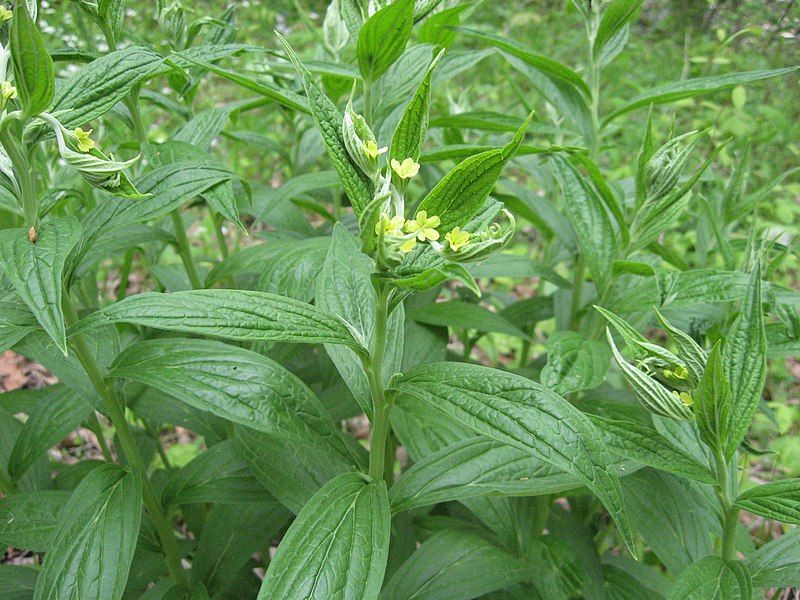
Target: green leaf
{"x": 746, "y": 361}
{"x": 60, "y": 411}
{"x": 645, "y": 445}
{"x": 711, "y": 578}
{"x": 779, "y": 500}
{"x": 777, "y": 563}
{"x": 94, "y": 90}
{"x": 574, "y": 363}
{"x": 16, "y": 321}
{"x": 34, "y": 75}
{"x": 238, "y": 315}
{"x": 712, "y": 402}
{"x": 461, "y": 193}
{"x": 329, "y": 121}
{"x": 675, "y": 517}
{"x": 521, "y": 413}
{"x": 236, "y": 384}
{"x": 455, "y": 564}
{"x": 476, "y": 467}
{"x": 215, "y": 475}
{"x": 589, "y": 219}
{"x": 92, "y": 547}
{"x": 689, "y": 88}
{"x": 27, "y": 519}
{"x": 17, "y": 582}
{"x": 383, "y": 37}
{"x": 464, "y": 315}
{"x": 616, "y": 15}
{"x": 410, "y": 133}
{"x": 692, "y": 354}
{"x": 36, "y": 270}
{"x": 337, "y": 547}
{"x": 286, "y": 98}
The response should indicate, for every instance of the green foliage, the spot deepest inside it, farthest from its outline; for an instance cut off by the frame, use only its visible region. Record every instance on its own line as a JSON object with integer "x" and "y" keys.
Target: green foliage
{"x": 330, "y": 305}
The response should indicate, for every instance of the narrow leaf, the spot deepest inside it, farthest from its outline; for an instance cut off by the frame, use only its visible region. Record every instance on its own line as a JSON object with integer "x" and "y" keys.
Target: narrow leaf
{"x": 34, "y": 75}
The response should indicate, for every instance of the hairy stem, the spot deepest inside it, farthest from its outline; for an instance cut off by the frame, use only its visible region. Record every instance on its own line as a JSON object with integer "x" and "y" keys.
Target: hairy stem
{"x": 381, "y": 408}
{"x": 24, "y": 174}
{"x": 116, "y": 413}
{"x": 730, "y": 515}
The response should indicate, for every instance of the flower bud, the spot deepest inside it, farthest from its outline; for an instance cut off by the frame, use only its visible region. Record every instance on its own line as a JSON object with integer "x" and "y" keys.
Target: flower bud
{"x": 360, "y": 142}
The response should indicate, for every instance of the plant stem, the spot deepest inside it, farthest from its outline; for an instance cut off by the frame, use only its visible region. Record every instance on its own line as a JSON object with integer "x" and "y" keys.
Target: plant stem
{"x": 116, "y": 413}
{"x": 23, "y": 172}
{"x": 7, "y": 486}
{"x": 381, "y": 408}
{"x": 730, "y": 515}
{"x": 184, "y": 249}
{"x": 368, "y": 101}
{"x": 577, "y": 291}
{"x": 97, "y": 429}
{"x": 125, "y": 273}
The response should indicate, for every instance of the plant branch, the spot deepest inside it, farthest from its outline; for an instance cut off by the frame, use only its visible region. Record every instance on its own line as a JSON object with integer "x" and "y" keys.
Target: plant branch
{"x": 185, "y": 249}
{"x": 380, "y": 406}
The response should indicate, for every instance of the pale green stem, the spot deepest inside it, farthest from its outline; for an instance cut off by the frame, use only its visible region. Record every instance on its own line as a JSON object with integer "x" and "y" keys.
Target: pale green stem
{"x": 381, "y": 408}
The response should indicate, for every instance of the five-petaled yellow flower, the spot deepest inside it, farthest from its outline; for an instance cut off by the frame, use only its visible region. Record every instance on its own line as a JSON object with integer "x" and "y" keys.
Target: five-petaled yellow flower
{"x": 388, "y": 225}
{"x": 685, "y": 397}
{"x": 372, "y": 151}
{"x": 406, "y": 169}
{"x": 85, "y": 143}
{"x": 7, "y": 91}
{"x": 5, "y": 14}
{"x": 424, "y": 226}
{"x": 457, "y": 238}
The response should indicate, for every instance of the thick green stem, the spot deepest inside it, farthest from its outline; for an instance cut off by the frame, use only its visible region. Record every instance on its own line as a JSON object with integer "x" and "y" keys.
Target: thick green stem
{"x": 24, "y": 174}
{"x": 368, "y": 101}
{"x": 185, "y": 249}
{"x": 116, "y": 413}
{"x": 381, "y": 408}
{"x": 577, "y": 291}
{"x": 97, "y": 430}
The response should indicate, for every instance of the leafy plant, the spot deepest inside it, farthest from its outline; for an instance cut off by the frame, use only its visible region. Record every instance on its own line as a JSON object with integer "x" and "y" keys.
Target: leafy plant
{"x": 607, "y": 460}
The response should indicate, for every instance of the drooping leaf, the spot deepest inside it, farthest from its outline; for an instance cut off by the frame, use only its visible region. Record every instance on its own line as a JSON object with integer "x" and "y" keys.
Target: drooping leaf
{"x": 36, "y": 270}
{"x": 230, "y": 314}
{"x": 337, "y": 547}
{"x": 466, "y": 315}
{"x": 92, "y": 547}
{"x": 516, "y": 411}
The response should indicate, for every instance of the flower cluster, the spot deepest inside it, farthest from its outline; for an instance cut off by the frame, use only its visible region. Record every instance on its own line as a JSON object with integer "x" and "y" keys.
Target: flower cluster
{"x": 401, "y": 235}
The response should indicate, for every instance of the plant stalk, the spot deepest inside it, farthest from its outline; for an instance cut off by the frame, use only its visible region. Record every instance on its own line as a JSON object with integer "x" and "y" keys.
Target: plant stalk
{"x": 116, "y": 413}
{"x": 730, "y": 515}
{"x": 381, "y": 407}
{"x": 185, "y": 249}
{"x": 24, "y": 173}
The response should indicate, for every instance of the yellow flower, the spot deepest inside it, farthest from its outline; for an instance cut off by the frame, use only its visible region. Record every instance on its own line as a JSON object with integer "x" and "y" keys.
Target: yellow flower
{"x": 406, "y": 169}
{"x": 85, "y": 143}
{"x": 5, "y": 14}
{"x": 457, "y": 238}
{"x": 388, "y": 225}
{"x": 372, "y": 151}
{"x": 7, "y": 91}
{"x": 424, "y": 226}
{"x": 684, "y": 397}
{"x": 408, "y": 246}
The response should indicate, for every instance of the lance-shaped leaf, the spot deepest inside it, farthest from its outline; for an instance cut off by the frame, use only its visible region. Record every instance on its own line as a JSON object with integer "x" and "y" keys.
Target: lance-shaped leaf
{"x": 712, "y": 403}
{"x": 589, "y": 219}
{"x": 36, "y": 270}
{"x": 461, "y": 193}
{"x": 521, "y": 413}
{"x": 779, "y": 500}
{"x": 61, "y": 410}
{"x": 239, "y": 315}
{"x": 645, "y": 445}
{"x": 235, "y": 384}
{"x": 27, "y": 519}
{"x": 410, "y": 133}
{"x": 476, "y": 467}
{"x": 337, "y": 547}
{"x": 777, "y": 563}
{"x": 689, "y": 351}
{"x": 16, "y": 321}
{"x": 458, "y": 565}
{"x": 34, "y": 75}
{"x": 92, "y": 547}
{"x": 689, "y": 88}
{"x": 711, "y": 578}
{"x": 616, "y": 15}
{"x": 574, "y": 363}
{"x": 746, "y": 361}
{"x": 383, "y": 37}
{"x": 329, "y": 121}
